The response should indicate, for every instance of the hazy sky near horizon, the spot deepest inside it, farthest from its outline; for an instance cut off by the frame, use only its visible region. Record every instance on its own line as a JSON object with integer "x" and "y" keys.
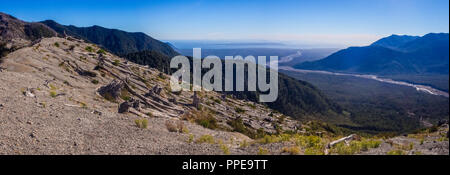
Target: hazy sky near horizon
{"x": 345, "y": 22}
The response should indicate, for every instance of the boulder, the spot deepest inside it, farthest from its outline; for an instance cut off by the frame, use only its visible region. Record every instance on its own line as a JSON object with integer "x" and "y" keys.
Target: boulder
{"x": 125, "y": 107}
{"x": 132, "y": 103}
{"x": 96, "y": 112}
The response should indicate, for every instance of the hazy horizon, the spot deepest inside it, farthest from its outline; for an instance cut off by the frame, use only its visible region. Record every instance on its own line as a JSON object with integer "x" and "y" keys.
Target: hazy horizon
{"x": 321, "y": 23}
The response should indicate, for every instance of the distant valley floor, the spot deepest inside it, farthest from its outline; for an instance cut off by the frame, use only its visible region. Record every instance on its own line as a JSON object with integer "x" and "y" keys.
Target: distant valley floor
{"x": 377, "y": 106}
{"x": 430, "y": 84}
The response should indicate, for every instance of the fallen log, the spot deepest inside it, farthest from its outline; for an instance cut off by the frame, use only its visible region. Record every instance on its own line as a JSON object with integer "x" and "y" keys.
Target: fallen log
{"x": 75, "y": 106}
{"x": 159, "y": 99}
{"x": 344, "y": 139}
{"x": 165, "y": 108}
{"x": 151, "y": 102}
{"x": 134, "y": 111}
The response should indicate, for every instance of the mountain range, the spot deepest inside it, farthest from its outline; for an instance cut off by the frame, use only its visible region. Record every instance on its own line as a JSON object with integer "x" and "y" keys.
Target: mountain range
{"x": 392, "y": 55}
{"x": 117, "y": 41}
{"x": 15, "y": 33}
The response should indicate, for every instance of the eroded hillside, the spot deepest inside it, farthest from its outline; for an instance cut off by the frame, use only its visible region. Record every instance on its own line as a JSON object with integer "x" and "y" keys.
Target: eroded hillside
{"x": 51, "y": 104}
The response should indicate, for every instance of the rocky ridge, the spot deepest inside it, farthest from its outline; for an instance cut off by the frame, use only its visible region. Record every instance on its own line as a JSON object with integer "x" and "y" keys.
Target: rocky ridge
{"x": 52, "y": 100}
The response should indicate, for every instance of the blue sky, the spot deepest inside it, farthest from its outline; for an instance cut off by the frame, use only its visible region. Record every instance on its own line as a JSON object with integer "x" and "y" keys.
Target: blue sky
{"x": 346, "y": 22}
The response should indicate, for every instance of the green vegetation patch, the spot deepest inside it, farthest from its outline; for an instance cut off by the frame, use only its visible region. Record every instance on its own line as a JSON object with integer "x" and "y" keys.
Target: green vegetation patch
{"x": 141, "y": 123}
{"x": 89, "y": 49}
{"x": 205, "y": 139}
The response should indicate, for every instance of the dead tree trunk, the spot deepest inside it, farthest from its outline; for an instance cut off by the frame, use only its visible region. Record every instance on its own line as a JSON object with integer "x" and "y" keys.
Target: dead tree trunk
{"x": 344, "y": 139}
{"x": 112, "y": 90}
{"x": 195, "y": 100}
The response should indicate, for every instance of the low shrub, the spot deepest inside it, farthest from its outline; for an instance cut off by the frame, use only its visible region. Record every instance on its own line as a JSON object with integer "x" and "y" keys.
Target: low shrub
{"x": 243, "y": 144}
{"x": 238, "y": 126}
{"x": 309, "y": 141}
{"x": 124, "y": 94}
{"x": 116, "y": 62}
{"x": 251, "y": 105}
{"x": 217, "y": 101}
{"x": 178, "y": 127}
{"x": 53, "y": 94}
{"x": 89, "y": 49}
{"x": 171, "y": 127}
{"x": 225, "y": 149}
{"x": 204, "y": 118}
{"x": 141, "y": 123}
{"x": 191, "y": 138}
{"x": 162, "y": 76}
{"x": 313, "y": 151}
{"x": 395, "y": 152}
{"x": 239, "y": 110}
{"x": 206, "y": 139}
{"x": 291, "y": 150}
{"x": 94, "y": 81}
{"x": 434, "y": 128}
{"x": 262, "y": 151}
{"x": 101, "y": 51}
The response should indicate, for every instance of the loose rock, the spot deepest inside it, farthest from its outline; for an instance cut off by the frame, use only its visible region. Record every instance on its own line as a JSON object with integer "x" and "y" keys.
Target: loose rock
{"x": 29, "y": 93}
{"x": 124, "y": 107}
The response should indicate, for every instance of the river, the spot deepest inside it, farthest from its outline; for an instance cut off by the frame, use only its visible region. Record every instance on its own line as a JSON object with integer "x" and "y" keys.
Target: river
{"x": 418, "y": 87}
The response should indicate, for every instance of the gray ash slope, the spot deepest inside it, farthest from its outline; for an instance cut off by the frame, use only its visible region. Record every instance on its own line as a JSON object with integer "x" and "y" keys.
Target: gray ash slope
{"x": 51, "y": 105}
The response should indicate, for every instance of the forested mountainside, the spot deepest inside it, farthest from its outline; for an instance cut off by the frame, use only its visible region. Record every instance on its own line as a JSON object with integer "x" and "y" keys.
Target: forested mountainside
{"x": 393, "y": 55}
{"x": 117, "y": 41}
